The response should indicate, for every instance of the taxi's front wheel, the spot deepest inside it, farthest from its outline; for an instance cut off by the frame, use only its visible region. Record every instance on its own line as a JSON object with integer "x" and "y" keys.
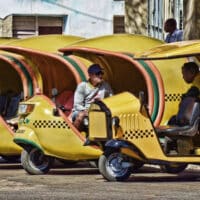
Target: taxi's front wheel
{"x": 114, "y": 166}
{"x": 35, "y": 162}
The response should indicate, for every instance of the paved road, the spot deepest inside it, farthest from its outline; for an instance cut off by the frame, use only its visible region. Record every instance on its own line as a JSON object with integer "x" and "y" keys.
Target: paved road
{"x": 81, "y": 182}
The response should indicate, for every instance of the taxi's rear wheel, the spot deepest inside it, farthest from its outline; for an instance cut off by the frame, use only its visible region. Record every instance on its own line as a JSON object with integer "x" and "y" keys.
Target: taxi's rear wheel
{"x": 114, "y": 166}
{"x": 35, "y": 162}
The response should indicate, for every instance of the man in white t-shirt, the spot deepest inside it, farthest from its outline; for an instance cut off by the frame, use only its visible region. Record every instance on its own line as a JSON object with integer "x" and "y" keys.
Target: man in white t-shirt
{"x": 87, "y": 92}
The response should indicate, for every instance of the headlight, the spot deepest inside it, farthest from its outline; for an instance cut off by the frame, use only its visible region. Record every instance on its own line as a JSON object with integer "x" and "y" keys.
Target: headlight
{"x": 25, "y": 108}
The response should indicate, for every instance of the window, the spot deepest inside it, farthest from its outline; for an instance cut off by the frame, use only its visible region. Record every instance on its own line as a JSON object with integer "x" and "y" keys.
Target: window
{"x": 24, "y": 26}
{"x": 159, "y": 11}
{"x": 155, "y": 16}
{"x": 118, "y": 24}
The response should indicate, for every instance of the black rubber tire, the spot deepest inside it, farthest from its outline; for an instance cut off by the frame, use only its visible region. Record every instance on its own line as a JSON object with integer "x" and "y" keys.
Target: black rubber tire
{"x": 173, "y": 168}
{"x": 35, "y": 162}
{"x": 111, "y": 172}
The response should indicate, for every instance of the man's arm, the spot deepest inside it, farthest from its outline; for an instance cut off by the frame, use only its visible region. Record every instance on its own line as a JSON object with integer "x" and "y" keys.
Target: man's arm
{"x": 79, "y": 97}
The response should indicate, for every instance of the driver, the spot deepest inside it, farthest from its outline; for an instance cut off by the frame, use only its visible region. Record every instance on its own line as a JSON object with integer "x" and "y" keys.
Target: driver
{"x": 87, "y": 92}
{"x": 191, "y": 75}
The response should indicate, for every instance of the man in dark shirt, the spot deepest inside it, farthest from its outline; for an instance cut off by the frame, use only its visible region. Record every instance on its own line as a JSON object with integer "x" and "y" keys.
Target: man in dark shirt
{"x": 174, "y": 34}
{"x": 191, "y": 75}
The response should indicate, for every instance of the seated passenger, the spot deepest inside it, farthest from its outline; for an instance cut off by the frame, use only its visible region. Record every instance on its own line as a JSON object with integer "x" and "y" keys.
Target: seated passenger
{"x": 191, "y": 75}
{"x": 87, "y": 92}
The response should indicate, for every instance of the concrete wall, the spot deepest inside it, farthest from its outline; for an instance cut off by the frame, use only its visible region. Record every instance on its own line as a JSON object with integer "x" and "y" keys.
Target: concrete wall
{"x": 7, "y": 27}
{"x": 86, "y": 18}
{"x": 1, "y": 27}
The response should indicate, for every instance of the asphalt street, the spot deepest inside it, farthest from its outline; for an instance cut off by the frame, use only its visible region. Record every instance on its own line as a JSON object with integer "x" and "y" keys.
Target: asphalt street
{"x": 82, "y": 182}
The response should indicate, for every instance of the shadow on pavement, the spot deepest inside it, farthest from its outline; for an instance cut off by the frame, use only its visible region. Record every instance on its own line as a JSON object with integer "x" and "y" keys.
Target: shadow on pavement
{"x": 182, "y": 177}
{"x": 9, "y": 165}
{"x": 73, "y": 171}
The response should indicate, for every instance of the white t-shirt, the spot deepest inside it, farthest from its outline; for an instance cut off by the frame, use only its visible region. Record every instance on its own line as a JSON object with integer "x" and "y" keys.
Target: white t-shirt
{"x": 85, "y": 94}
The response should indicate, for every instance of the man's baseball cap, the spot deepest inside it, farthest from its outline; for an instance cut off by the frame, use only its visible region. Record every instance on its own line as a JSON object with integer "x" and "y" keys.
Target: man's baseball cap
{"x": 95, "y": 69}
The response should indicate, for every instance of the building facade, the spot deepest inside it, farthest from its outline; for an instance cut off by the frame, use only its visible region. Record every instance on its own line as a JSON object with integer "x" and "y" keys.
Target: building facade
{"x": 86, "y": 18}
{"x": 148, "y": 16}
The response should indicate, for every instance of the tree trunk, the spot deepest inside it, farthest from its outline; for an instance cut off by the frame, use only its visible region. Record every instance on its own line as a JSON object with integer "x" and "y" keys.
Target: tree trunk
{"x": 191, "y": 19}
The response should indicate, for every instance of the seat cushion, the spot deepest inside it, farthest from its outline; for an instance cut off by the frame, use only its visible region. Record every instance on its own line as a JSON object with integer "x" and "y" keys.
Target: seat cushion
{"x": 66, "y": 99}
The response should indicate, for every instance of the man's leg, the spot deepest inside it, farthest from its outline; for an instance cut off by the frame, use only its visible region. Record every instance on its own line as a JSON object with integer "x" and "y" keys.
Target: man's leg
{"x": 78, "y": 122}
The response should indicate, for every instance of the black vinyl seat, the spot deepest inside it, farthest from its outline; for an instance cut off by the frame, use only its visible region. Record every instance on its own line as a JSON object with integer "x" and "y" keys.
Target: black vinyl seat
{"x": 193, "y": 115}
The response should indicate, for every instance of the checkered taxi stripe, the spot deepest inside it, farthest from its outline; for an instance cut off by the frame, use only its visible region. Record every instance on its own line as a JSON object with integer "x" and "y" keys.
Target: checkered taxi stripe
{"x": 138, "y": 134}
{"x": 173, "y": 97}
{"x": 50, "y": 124}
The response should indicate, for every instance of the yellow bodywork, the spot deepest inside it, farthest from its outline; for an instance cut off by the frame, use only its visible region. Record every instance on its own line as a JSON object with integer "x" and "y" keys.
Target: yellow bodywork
{"x": 169, "y": 58}
{"x": 172, "y": 50}
{"x": 46, "y": 43}
{"x": 54, "y": 135}
{"x": 5, "y": 40}
{"x": 127, "y": 43}
{"x": 136, "y": 128}
{"x": 7, "y": 146}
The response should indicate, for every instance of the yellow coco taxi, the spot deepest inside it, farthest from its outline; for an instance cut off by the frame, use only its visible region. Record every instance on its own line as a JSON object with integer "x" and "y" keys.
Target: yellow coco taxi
{"x": 17, "y": 82}
{"x": 20, "y": 80}
{"x": 44, "y": 130}
{"x": 125, "y": 125}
